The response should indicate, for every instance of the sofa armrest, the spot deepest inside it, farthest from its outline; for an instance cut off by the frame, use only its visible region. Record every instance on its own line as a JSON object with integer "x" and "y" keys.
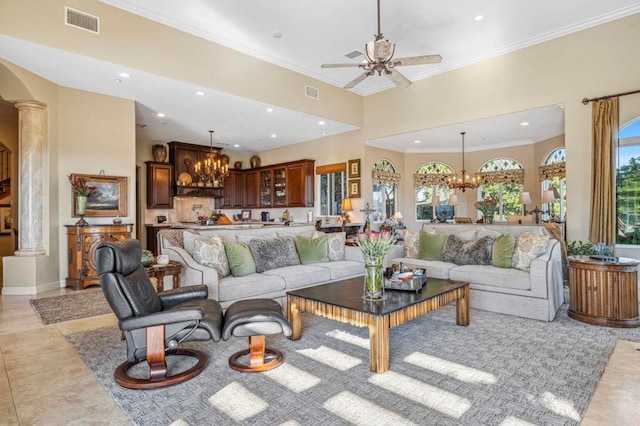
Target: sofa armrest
{"x": 194, "y": 273}
{"x": 546, "y": 272}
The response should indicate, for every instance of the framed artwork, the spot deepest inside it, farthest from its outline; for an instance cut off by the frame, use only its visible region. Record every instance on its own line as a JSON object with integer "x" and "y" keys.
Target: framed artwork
{"x": 246, "y": 214}
{"x": 354, "y": 188}
{"x": 110, "y": 198}
{"x": 354, "y": 168}
{"x": 6, "y": 220}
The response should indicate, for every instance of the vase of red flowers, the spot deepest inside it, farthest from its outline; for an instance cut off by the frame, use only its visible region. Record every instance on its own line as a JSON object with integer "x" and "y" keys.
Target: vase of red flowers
{"x": 488, "y": 207}
{"x": 81, "y": 190}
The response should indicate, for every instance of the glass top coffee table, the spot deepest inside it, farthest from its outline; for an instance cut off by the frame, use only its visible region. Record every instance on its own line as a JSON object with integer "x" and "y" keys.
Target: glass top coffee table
{"x": 342, "y": 301}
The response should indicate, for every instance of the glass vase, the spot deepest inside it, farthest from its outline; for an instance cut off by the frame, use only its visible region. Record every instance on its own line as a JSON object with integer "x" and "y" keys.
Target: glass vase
{"x": 81, "y": 209}
{"x": 373, "y": 283}
{"x": 488, "y": 219}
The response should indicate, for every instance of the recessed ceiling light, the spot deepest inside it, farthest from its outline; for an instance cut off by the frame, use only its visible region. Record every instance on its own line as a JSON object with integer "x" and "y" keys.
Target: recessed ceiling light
{"x": 269, "y": 109}
{"x": 161, "y": 115}
{"x": 276, "y": 34}
{"x": 321, "y": 123}
{"x": 478, "y": 18}
{"x": 417, "y": 141}
{"x": 124, "y": 75}
{"x": 274, "y": 135}
{"x": 524, "y": 123}
{"x": 200, "y": 93}
{"x": 236, "y": 145}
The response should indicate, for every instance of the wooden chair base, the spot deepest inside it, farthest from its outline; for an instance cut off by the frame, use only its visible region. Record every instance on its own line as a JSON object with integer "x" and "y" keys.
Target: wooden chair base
{"x": 158, "y": 371}
{"x": 258, "y": 354}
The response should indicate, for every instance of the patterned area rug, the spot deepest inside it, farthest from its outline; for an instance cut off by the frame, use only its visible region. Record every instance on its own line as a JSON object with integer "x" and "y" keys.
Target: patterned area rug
{"x": 81, "y": 304}
{"x": 500, "y": 370}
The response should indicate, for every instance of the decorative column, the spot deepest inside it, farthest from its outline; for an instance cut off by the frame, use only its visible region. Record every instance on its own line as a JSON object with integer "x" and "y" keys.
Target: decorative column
{"x": 30, "y": 141}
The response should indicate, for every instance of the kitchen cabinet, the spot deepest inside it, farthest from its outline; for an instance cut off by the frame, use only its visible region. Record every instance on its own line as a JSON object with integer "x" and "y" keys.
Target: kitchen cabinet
{"x": 251, "y": 188}
{"x": 233, "y": 190}
{"x": 300, "y": 183}
{"x": 159, "y": 185}
{"x": 183, "y": 157}
{"x": 82, "y": 242}
{"x": 266, "y": 187}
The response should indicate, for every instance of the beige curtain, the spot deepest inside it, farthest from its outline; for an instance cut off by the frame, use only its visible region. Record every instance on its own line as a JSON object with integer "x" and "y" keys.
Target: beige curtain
{"x": 605, "y": 137}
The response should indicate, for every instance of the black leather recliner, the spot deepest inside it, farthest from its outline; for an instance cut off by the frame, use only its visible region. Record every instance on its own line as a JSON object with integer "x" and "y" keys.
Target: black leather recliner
{"x": 154, "y": 323}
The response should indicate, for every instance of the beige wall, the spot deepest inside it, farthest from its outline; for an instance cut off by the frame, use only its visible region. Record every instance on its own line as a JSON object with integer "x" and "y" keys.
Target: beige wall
{"x": 559, "y": 71}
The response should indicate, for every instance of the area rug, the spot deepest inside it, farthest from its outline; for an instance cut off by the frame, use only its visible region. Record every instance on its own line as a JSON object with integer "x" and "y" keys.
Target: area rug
{"x": 500, "y": 370}
{"x": 66, "y": 307}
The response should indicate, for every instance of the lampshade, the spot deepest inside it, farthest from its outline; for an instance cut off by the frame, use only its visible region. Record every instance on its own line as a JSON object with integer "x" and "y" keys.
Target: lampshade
{"x": 453, "y": 200}
{"x": 436, "y": 201}
{"x": 525, "y": 198}
{"x": 397, "y": 216}
{"x": 345, "y": 205}
{"x": 548, "y": 197}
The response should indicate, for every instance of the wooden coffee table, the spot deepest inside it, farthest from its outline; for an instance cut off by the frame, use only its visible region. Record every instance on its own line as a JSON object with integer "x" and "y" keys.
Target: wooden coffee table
{"x": 341, "y": 301}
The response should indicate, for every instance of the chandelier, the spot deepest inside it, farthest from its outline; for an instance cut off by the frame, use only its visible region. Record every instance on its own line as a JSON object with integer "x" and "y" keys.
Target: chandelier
{"x": 463, "y": 182}
{"x": 212, "y": 170}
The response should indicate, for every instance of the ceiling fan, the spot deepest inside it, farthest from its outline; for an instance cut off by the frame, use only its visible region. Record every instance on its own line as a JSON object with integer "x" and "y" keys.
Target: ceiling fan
{"x": 379, "y": 57}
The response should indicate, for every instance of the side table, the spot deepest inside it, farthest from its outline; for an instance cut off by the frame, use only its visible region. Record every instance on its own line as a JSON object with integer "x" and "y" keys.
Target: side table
{"x": 604, "y": 292}
{"x": 158, "y": 272}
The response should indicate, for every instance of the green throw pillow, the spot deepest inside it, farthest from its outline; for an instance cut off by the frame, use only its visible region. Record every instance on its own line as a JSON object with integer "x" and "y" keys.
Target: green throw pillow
{"x": 240, "y": 259}
{"x": 502, "y": 251}
{"x": 312, "y": 250}
{"x": 430, "y": 245}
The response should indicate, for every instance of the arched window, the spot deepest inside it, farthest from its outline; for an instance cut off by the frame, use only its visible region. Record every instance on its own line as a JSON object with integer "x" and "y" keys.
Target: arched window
{"x": 628, "y": 184}
{"x": 429, "y": 180}
{"x": 556, "y": 184}
{"x": 501, "y": 186}
{"x": 384, "y": 194}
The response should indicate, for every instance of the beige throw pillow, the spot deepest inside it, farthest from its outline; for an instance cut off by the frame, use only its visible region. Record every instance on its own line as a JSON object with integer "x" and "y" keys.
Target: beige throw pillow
{"x": 336, "y": 242}
{"x": 210, "y": 252}
{"x": 411, "y": 243}
{"x": 528, "y": 247}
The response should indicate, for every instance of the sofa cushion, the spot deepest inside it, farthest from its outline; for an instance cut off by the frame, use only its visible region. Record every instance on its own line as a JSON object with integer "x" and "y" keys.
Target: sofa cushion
{"x": 249, "y": 286}
{"x": 430, "y": 245}
{"x": 246, "y": 237}
{"x": 528, "y": 247}
{"x": 411, "y": 243}
{"x": 312, "y": 250}
{"x": 342, "y": 269}
{"x": 461, "y": 252}
{"x": 272, "y": 253}
{"x": 432, "y": 268}
{"x": 240, "y": 260}
{"x": 502, "y": 251}
{"x": 292, "y": 233}
{"x": 487, "y": 275}
{"x": 188, "y": 238}
{"x": 211, "y": 253}
{"x": 299, "y": 276}
{"x": 335, "y": 242}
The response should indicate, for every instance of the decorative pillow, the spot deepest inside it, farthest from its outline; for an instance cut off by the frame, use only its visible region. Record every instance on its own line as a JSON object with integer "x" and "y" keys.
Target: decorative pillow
{"x": 211, "y": 253}
{"x": 528, "y": 247}
{"x": 272, "y": 253}
{"x": 469, "y": 235}
{"x": 312, "y": 250}
{"x": 430, "y": 245}
{"x": 502, "y": 251}
{"x": 461, "y": 252}
{"x": 410, "y": 243}
{"x": 240, "y": 260}
{"x": 245, "y": 237}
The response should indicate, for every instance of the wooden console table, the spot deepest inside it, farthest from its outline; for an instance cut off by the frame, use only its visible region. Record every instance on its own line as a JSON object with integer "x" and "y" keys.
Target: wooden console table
{"x": 160, "y": 271}
{"x": 604, "y": 292}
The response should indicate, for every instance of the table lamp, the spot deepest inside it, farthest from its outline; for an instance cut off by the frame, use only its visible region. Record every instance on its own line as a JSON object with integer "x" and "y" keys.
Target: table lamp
{"x": 397, "y": 216}
{"x": 525, "y": 198}
{"x": 345, "y": 208}
{"x": 548, "y": 197}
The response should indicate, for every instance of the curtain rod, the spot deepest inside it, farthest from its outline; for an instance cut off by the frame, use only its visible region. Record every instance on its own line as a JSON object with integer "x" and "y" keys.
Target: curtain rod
{"x": 586, "y": 101}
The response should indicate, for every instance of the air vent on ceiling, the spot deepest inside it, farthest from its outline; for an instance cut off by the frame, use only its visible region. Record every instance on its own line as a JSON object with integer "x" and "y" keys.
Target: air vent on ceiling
{"x": 353, "y": 54}
{"x": 81, "y": 20}
{"x": 311, "y": 92}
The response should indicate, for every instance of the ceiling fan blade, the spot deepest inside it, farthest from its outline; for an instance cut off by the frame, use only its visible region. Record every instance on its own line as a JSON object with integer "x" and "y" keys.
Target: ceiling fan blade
{"x": 357, "y": 80}
{"x": 340, "y": 65}
{"x": 417, "y": 60}
{"x": 398, "y": 79}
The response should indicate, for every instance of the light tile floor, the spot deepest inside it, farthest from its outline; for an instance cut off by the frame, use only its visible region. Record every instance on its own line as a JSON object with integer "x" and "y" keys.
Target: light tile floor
{"x": 44, "y": 382}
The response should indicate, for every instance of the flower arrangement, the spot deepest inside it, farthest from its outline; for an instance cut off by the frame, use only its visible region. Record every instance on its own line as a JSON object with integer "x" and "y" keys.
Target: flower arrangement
{"x": 374, "y": 246}
{"x": 79, "y": 187}
{"x": 488, "y": 208}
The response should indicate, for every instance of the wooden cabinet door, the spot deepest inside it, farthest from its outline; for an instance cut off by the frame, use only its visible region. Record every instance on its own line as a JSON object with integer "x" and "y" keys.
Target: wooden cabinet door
{"x": 159, "y": 185}
{"x": 300, "y": 185}
{"x": 252, "y": 189}
{"x": 266, "y": 188}
{"x": 233, "y": 190}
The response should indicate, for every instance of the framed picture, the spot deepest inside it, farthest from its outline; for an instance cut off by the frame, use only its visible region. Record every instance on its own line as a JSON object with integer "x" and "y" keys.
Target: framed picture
{"x": 246, "y": 214}
{"x": 110, "y": 198}
{"x": 354, "y": 188}
{"x": 354, "y": 168}
{"x": 6, "y": 220}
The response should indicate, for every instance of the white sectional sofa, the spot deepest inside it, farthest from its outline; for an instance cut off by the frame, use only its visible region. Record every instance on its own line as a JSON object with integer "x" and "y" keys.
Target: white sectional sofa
{"x": 537, "y": 293}
{"x": 273, "y": 284}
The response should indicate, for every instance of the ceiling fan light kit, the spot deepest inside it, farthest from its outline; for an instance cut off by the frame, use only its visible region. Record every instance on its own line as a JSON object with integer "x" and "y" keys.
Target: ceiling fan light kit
{"x": 379, "y": 58}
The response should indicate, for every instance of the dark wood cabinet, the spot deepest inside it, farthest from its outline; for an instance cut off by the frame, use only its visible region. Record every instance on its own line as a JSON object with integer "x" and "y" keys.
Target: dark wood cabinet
{"x": 300, "y": 184}
{"x": 81, "y": 246}
{"x": 266, "y": 188}
{"x": 233, "y": 191}
{"x": 152, "y": 237}
{"x": 251, "y": 189}
{"x": 183, "y": 157}
{"x": 159, "y": 185}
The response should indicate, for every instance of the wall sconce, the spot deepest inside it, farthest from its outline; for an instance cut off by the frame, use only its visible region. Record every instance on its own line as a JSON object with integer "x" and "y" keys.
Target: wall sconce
{"x": 345, "y": 208}
{"x": 525, "y": 198}
{"x": 548, "y": 197}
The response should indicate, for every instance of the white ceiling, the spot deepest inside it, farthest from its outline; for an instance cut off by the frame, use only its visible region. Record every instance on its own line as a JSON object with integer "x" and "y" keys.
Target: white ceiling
{"x": 313, "y": 33}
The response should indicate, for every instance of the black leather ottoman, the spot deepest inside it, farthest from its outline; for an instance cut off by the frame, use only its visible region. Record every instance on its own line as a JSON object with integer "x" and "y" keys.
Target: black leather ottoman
{"x": 254, "y": 319}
